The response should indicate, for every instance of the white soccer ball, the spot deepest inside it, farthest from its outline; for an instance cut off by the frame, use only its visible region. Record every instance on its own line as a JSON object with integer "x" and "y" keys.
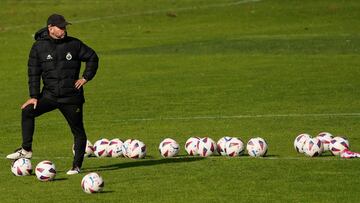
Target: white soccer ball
{"x": 169, "y": 148}
{"x": 257, "y": 147}
{"x": 313, "y": 147}
{"x": 234, "y": 147}
{"x": 45, "y": 171}
{"x": 325, "y": 138}
{"x": 221, "y": 144}
{"x": 92, "y": 183}
{"x": 21, "y": 167}
{"x": 137, "y": 150}
{"x": 100, "y": 147}
{"x": 115, "y": 148}
{"x": 125, "y": 147}
{"x": 192, "y": 146}
{"x": 89, "y": 149}
{"x": 338, "y": 144}
{"x": 300, "y": 141}
{"x": 207, "y": 147}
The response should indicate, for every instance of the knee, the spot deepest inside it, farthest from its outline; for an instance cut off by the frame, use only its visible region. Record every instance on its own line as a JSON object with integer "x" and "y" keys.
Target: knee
{"x": 28, "y": 111}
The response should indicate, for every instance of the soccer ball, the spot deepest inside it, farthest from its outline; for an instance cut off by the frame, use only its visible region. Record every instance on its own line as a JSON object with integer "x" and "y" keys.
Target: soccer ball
{"x": 313, "y": 147}
{"x": 125, "y": 147}
{"x": 221, "y": 145}
{"x": 100, "y": 147}
{"x": 192, "y": 145}
{"x": 207, "y": 147}
{"x": 169, "y": 148}
{"x": 45, "y": 171}
{"x": 234, "y": 147}
{"x": 89, "y": 149}
{"x": 21, "y": 167}
{"x": 338, "y": 144}
{"x": 115, "y": 148}
{"x": 325, "y": 138}
{"x": 300, "y": 141}
{"x": 257, "y": 147}
{"x": 92, "y": 183}
{"x": 137, "y": 150}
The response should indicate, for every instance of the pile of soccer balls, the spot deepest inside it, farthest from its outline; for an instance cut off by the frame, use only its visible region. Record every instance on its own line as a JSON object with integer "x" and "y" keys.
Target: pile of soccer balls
{"x": 46, "y": 171}
{"x": 131, "y": 148}
{"x": 204, "y": 147}
{"x": 324, "y": 141}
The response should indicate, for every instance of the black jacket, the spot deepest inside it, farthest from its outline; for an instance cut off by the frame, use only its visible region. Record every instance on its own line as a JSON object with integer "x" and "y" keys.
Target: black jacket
{"x": 58, "y": 64}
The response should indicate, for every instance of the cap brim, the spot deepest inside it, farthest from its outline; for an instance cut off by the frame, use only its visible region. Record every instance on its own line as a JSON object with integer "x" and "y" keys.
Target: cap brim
{"x": 62, "y": 25}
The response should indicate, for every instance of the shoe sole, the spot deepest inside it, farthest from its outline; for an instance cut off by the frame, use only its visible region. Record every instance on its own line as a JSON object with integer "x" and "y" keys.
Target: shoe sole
{"x": 10, "y": 158}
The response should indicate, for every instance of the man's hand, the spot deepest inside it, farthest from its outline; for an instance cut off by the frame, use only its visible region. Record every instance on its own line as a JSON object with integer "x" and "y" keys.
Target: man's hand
{"x": 30, "y": 101}
{"x": 79, "y": 83}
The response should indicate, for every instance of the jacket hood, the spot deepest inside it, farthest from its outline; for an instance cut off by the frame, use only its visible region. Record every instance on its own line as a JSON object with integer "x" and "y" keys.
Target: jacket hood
{"x": 44, "y": 34}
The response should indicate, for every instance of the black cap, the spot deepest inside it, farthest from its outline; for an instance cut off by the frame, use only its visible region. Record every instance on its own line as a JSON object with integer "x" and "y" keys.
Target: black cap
{"x": 57, "y": 20}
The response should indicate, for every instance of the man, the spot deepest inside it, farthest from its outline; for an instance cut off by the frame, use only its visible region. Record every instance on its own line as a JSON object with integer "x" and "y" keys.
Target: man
{"x": 56, "y": 58}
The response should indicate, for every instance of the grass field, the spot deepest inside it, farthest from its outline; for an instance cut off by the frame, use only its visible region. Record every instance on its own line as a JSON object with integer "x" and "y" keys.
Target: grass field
{"x": 269, "y": 68}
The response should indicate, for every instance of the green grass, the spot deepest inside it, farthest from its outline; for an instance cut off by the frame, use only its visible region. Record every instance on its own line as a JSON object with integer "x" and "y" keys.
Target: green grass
{"x": 195, "y": 74}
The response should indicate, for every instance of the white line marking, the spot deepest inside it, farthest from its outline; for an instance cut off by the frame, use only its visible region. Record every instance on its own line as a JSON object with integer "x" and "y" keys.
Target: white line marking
{"x": 145, "y": 13}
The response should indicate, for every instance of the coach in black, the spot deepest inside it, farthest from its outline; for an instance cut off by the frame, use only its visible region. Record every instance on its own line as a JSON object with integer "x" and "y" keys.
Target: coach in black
{"x": 55, "y": 58}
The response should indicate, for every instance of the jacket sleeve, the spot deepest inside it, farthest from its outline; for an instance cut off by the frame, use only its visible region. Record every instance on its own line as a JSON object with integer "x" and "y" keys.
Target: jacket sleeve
{"x": 88, "y": 56}
{"x": 34, "y": 73}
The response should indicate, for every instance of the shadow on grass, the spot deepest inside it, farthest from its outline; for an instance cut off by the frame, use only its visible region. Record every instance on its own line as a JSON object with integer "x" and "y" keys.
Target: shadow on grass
{"x": 326, "y": 155}
{"x": 60, "y": 179}
{"x": 145, "y": 162}
{"x": 248, "y": 156}
{"x": 271, "y": 155}
{"x": 107, "y": 191}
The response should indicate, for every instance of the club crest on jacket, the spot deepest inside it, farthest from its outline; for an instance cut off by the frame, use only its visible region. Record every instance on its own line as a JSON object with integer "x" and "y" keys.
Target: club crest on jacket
{"x": 68, "y": 56}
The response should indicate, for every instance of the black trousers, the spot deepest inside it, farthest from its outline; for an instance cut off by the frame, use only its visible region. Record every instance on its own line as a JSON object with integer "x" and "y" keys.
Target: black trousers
{"x": 73, "y": 114}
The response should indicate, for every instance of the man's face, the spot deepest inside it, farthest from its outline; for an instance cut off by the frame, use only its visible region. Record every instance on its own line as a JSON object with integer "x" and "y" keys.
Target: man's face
{"x": 56, "y": 32}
